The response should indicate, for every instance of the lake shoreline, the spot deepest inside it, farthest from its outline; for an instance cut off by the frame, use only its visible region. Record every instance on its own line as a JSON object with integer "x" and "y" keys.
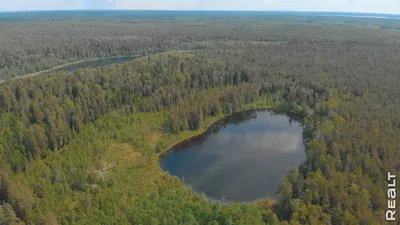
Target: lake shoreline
{"x": 207, "y": 127}
{"x": 202, "y": 131}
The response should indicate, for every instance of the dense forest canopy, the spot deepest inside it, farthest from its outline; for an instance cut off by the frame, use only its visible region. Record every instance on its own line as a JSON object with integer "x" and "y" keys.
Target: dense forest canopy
{"x": 35, "y": 41}
{"x": 83, "y": 148}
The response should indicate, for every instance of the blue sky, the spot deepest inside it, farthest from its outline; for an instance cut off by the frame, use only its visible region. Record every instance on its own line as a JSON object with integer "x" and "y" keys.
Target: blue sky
{"x": 370, "y": 6}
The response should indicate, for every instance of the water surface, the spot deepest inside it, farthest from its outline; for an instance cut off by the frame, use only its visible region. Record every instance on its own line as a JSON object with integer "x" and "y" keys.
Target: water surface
{"x": 241, "y": 158}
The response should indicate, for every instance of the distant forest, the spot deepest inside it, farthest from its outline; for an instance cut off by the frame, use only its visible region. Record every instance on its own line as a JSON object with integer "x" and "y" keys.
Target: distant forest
{"x": 84, "y": 148}
{"x": 36, "y": 41}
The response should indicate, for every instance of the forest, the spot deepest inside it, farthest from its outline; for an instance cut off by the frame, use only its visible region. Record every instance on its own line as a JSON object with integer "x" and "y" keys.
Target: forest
{"x": 84, "y": 147}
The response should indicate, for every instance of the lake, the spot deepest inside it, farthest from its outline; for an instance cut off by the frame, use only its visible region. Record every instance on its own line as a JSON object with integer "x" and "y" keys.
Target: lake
{"x": 240, "y": 158}
{"x": 94, "y": 63}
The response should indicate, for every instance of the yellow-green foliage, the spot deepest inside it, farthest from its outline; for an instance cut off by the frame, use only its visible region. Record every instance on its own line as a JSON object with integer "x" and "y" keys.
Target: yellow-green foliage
{"x": 103, "y": 178}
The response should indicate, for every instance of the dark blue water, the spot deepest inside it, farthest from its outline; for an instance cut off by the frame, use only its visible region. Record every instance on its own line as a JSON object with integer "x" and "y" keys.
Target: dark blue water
{"x": 242, "y": 158}
{"x": 94, "y": 63}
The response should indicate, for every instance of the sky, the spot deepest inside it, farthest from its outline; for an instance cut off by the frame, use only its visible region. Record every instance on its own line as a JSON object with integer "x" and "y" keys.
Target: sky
{"x": 366, "y": 6}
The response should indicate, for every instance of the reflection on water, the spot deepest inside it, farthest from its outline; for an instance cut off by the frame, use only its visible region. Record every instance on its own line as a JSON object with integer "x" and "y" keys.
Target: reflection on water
{"x": 241, "y": 158}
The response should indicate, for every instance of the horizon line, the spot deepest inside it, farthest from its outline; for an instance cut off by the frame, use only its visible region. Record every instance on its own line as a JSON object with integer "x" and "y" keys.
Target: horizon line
{"x": 193, "y": 10}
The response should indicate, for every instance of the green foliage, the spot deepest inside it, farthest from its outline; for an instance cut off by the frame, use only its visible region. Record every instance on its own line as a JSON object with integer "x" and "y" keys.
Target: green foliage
{"x": 83, "y": 148}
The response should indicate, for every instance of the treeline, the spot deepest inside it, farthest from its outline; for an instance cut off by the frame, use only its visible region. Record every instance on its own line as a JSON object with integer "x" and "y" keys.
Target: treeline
{"x": 43, "y": 114}
{"x": 345, "y": 87}
{"x": 333, "y": 186}
{"x": 355, "y": 139}
{"x": 44, "y": 43}
{"x": 52, "y": 111}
